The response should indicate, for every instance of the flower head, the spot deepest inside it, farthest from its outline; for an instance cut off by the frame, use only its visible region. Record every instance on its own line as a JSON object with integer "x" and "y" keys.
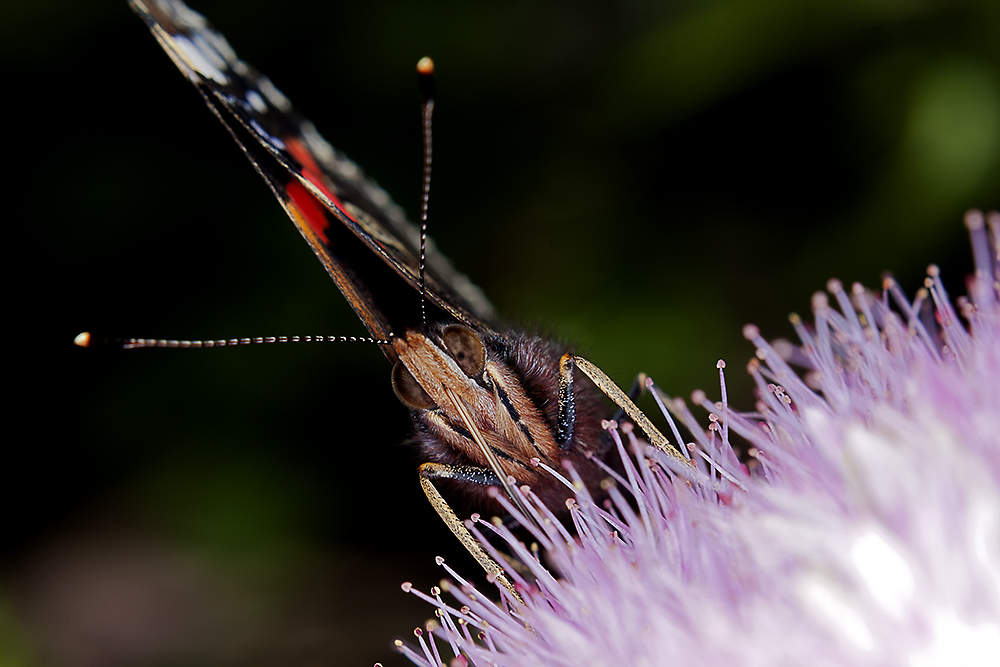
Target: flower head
{"x": 865, "y": 530}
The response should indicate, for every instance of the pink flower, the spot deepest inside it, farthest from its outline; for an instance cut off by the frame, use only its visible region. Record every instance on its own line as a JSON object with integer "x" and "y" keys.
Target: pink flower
{"x": 865, "y": 532}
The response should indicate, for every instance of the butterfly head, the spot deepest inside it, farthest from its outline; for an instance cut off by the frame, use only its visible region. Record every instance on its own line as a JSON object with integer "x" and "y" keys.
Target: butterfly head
{"x": 430, "y": 363}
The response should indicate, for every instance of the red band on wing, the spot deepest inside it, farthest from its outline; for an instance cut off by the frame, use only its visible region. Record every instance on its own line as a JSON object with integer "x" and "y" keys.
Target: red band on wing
{"x": 312, "y": 211}
{"x": 311, "y": 171}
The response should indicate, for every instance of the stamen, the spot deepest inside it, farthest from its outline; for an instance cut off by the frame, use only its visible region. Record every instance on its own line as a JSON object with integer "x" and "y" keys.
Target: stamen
{"x": 429, "y": 627}
{"x": 721, "y": 365}
{"x": 911, "y": 312}
{"x": 655, "y": 391}
{"x": 457, "y": 577}
{"x": 609, "y": 470}
{"x": 410, "y": 654}
{"x": 783, "y": 371}
{"x": 836, "y": 288}
{"x": 630, "y": 471}
{"x": 516, "y": 579}
{"x": 419, "y": 634}
{"x": 550, "y": 521}
{"x": 552, "y": 471}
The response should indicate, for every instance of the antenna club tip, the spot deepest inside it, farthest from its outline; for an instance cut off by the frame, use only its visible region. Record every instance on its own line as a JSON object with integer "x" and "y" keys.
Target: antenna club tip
{"x": 425, "y": 66}
{"x": 82, "y": 339}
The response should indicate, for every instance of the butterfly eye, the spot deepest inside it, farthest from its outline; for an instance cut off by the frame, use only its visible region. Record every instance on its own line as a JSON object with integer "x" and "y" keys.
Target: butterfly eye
{"x": 408, "y": 389}
{"x": 466, "y": 348}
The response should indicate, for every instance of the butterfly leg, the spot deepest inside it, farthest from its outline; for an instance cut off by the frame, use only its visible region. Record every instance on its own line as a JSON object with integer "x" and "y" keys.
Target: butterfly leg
{"x": 635, "y": 391}
{"x": 472, "y": 475}
{"x": 567, "y": 407}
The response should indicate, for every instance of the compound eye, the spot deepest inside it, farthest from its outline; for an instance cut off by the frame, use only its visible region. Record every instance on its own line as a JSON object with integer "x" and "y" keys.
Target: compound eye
{"x": 466, "y": 348}
{"x": 408, "y": 389}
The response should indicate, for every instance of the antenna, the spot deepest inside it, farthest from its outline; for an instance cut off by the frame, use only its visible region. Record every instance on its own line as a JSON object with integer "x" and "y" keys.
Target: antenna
{"x": 425, "y": 81}
{"x": 86, "y": 339}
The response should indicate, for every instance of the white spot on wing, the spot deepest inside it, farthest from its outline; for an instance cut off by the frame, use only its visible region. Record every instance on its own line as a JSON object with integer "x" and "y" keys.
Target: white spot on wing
{"x": 199, "y": 60}
{"x": 219, "y": 44}
{"x": 350, "y": 170}
{"x": 182, "y": 15}
{"x": 319, "y": 146}
{"x": 256, "y": 101}
{"x": 273, "y": 95}
{"x": 207, "y": 47}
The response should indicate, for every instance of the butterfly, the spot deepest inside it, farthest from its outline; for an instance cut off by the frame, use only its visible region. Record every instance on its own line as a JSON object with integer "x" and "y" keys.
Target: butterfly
{"x": 491, "y": 407}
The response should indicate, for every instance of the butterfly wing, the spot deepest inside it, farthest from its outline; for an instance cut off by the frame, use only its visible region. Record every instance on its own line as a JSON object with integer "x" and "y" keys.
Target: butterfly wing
{"x": 360, "y": 236}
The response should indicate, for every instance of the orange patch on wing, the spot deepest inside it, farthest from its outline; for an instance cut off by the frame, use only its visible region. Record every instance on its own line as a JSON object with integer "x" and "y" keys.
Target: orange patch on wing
{"x": 311, "y": 211}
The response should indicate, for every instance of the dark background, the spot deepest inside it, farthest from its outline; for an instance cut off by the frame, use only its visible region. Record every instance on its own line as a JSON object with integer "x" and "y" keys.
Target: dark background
{"x": 641, "y": 178}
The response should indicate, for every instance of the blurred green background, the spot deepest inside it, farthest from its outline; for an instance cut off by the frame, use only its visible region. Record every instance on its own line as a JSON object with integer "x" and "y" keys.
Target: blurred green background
{"x": 641, "y": 178}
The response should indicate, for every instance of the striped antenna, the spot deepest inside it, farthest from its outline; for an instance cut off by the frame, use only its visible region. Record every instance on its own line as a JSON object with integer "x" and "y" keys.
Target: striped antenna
{"x": 86, "y": 339}
{"x": 425, "y": 81}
